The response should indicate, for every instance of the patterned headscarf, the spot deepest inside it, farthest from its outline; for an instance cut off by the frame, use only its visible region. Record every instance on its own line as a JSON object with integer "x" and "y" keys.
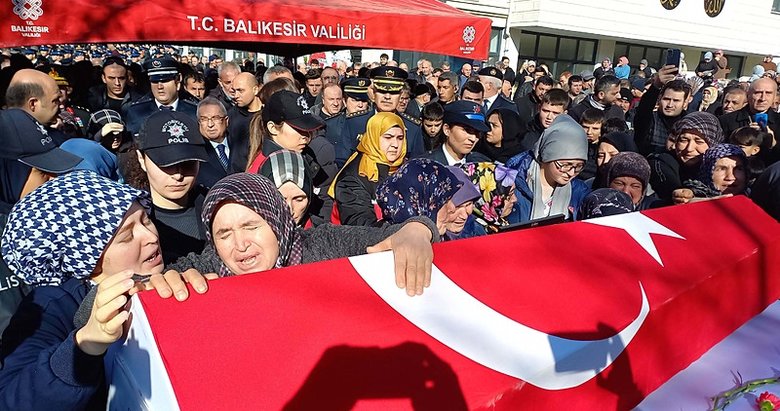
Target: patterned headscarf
{"x": 260, "y": 195}
{"x": 701, "y": 123}
{"x": 420, "y": 188}
{"x": 496, "y": 184}
{"x": 61, "y": 229}
{"x": 377, "y": 125}
{"x": 712, "y": 155}
{"x": 605, "y": 202}
{"x": 285, "y": 165}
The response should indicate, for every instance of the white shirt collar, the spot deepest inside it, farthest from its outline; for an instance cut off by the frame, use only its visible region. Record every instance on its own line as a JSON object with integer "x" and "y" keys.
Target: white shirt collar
{"x": 175, "y": 104}
{"x": 451, "y": 161}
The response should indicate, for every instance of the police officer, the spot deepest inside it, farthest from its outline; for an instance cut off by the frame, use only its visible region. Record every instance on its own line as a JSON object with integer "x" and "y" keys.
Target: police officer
{"x": 355, "y": 92}
{"x": 492, "y": 80}
{"x": 386, "y": 85}
{"x": 165, "y": 80}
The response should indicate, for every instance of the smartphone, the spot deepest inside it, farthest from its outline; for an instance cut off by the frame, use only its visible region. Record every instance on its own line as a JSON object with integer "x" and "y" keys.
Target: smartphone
{"x": 761, "y": 119}
{"x": 673, "y": 58}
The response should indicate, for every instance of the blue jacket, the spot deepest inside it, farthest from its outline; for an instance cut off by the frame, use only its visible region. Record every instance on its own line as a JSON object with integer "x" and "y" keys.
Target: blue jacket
{"x": 43, "y": 369}
{"x": 525, "y": 196}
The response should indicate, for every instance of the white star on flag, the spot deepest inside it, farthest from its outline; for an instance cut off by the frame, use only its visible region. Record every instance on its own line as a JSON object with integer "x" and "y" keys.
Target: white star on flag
{"x": 639, "y": 227}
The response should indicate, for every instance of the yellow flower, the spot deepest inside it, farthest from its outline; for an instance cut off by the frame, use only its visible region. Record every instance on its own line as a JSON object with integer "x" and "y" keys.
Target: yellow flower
{"x": 485, "y": 166}
{"x": 486, "y": 185}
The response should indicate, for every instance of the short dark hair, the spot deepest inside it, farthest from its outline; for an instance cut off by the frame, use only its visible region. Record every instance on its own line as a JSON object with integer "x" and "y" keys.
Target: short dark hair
{"x": 313, "y": 74}
{"x": 612, "y": 125}
{"x": 748, "y": 136}
{"x": 678, "y": 86}
{"x": 433, "y": 111}
{"x": 556, "y": 97}
{"x": 473, "y": 87}
{"x": 546, "y": 80}
{"x": 195, "y": 76}
{"x": 604, "y": 83}
{"x": 384, "y": 55}
{"x": 451, "y": 76}
{"x": 540, "y": 69}
{"x": 592, "y": 115}
{"x": 575, "y": 78}
{"x": 18, "y": 93}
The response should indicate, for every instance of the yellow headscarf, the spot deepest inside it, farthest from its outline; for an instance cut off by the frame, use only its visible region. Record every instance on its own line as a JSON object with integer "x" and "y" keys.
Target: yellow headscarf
{"x": 377, "y": 125}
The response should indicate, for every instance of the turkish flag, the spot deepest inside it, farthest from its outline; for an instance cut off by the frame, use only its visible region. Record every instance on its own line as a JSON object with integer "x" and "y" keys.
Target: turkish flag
{"x": 587, "y": 315}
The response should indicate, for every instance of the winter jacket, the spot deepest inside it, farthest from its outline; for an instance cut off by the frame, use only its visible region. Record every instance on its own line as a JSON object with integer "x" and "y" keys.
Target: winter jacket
{"x": 525, "y": 197}
{"x": 43, "y": 368}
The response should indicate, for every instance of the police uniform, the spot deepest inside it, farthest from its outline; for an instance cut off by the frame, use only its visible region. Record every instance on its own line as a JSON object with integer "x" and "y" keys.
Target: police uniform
{"x": 500, "y": 101}
{"x": 336, "y": 126}
{"x": 390, "y": 80}
{"x": 158, "y": 69}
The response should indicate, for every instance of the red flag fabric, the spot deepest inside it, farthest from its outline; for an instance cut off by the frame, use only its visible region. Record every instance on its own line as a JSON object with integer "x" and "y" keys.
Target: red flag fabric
{"x": 285, "y": 27}
{"x": 587, "y": 315}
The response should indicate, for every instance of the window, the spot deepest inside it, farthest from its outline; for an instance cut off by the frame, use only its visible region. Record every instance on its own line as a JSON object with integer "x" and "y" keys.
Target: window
{"x": 776, "y": 6}
{"x": 655, "y": 56}
{"x": 559, "y": 53}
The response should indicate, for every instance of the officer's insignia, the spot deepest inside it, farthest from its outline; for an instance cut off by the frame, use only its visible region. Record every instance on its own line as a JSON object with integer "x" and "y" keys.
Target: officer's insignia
{"x": 361, "y": 83}
{"x": 389, "y": 73}
{"x": 357, "y": 113}
{"x": 477, "y": 109}
{"x": 303, "y": 104}
{"x": 175, "y": 128}
{"x": 156, "y": 63}
{"x": 493, "y": 72}
{"x": 411, "y": 118}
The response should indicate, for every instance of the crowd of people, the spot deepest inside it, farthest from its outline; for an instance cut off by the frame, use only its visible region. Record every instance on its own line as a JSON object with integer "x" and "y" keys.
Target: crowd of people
{"x": 129, "y": 168}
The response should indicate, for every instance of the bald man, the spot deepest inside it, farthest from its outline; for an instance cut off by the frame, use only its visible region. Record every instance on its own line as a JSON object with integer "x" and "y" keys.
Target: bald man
{"x": 761, "y": 96}
{"x": 243, "y": 91}
{"x": 36, "y": 93}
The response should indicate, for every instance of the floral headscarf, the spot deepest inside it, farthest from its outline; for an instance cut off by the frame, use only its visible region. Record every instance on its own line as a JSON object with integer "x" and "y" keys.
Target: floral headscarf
{"x": 377, "y": 125}
{"x": 61, "y": 229}
{"x": 259, "y": 194}
{"x": 496, "y": 183}
{"x": 420, "y": 187}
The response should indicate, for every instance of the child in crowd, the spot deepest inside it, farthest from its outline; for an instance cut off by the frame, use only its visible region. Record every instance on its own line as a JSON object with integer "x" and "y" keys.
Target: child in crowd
{"x": 592, "y": 121}
{"x": 432, "y": 120}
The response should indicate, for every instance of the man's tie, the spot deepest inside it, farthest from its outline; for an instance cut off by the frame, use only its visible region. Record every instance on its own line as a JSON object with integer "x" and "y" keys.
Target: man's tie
{"x": 485, "y": 105}
{"x": 222, "y": 156}
{"x": 166, "y": 108}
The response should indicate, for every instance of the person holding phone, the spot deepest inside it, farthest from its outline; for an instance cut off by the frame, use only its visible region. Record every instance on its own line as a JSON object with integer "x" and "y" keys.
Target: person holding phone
{"x": 707, "y": 68}
{"x": 758, "y": 112}
{"x": 652, "y": 127}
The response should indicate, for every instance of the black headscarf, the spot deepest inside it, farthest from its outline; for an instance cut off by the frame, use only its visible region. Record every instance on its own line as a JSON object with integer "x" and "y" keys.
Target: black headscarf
{"x": 513, "y": 131}
{"x": 621, "y": 141}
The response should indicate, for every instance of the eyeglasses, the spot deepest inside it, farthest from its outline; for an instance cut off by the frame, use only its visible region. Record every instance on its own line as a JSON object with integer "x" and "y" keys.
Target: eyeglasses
{"x": 566, "y": 168}
{"x": 215, "y": 119}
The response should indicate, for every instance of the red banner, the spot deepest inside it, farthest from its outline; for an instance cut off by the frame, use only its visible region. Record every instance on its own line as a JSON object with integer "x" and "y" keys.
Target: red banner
{"x": 587, "y": 315}
{"x": 280, "y": 26}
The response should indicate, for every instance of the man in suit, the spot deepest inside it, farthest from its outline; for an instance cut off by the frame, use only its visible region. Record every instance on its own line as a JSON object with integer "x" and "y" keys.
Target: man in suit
{"x": 165, "y": 80}
{"x": 355, "y": 92}
{"x": 227, "y": 153}
{"x": 492, "y": 80}
{"x": 464, "y": 125}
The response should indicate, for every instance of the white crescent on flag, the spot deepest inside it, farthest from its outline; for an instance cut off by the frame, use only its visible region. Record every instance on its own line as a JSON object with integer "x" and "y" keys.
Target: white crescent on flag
{"x": 489, "y": 337}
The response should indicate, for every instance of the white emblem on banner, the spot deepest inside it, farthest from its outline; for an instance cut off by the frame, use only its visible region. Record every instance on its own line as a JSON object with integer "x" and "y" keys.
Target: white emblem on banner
{"x": 28, "y": 9}
{"x": 469, "y": 33}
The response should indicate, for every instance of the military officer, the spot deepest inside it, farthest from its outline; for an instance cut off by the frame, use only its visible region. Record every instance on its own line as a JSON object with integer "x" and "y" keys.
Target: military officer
{"x": 492, "y": 80}
{"x": 386, "y": 85}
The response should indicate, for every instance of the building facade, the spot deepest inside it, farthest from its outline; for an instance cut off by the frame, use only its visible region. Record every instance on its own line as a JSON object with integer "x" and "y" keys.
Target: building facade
{"x": 575, "y": 35}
